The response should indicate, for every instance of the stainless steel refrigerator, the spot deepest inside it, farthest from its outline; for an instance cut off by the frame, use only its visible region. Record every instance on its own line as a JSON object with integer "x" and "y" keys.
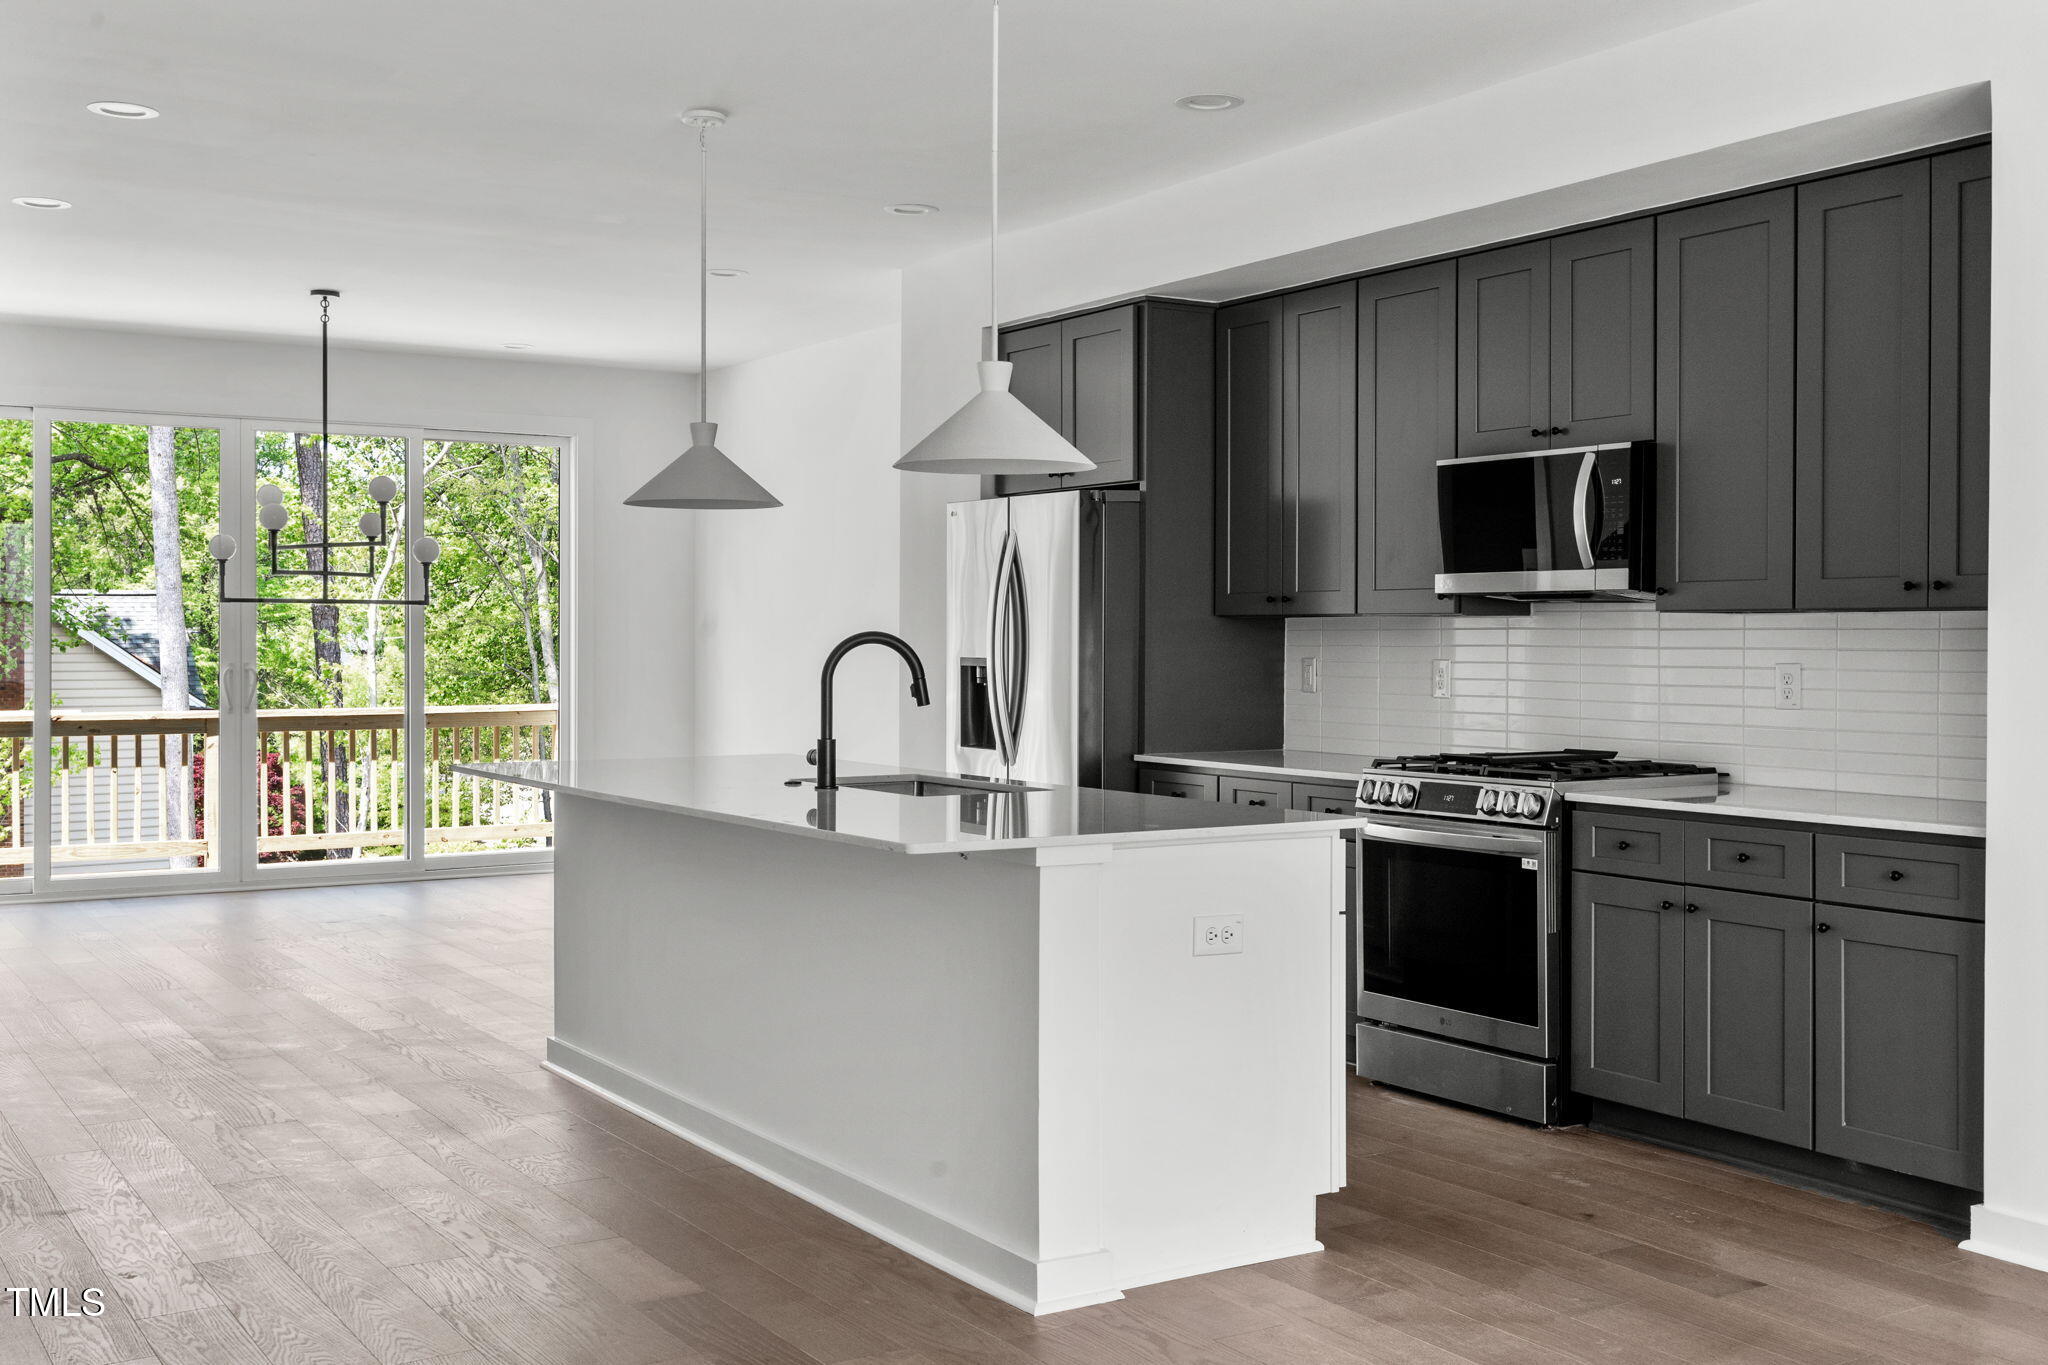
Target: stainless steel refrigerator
{"x": 1044, "y": 603}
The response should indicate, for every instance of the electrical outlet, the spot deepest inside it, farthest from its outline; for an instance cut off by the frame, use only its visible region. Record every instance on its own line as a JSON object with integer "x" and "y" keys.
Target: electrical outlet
{"x": 1440, "y": 678}
{"x": 1790, "y": 687}
{"x": 1216, "y": 934}
{"x": 1311, "y": 673}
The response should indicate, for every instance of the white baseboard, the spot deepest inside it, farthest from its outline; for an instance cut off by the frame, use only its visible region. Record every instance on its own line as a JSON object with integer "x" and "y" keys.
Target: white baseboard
{"x": 2008, "y": 1237}
{"x": 1034, "y": 1286}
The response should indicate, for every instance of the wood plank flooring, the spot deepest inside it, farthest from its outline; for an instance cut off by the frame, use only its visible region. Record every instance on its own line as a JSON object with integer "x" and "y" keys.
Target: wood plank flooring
{"x": 309, "y": 1127}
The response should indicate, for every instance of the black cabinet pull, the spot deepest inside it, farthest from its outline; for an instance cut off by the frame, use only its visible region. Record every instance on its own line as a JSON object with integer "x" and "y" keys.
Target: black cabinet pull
{"x": 1941, "y": 585}
{"x": 1621, "y": 843}
{"x": 1910, "y": 586}
{"x": 1664, "y": 905}
{"x": 1692, "y": 909}
{"x": 1742, "y": 857}
{"x": 1896, "y": 875}
{"x": 1177, "y": 794}
{"x": 1822, "y": 927}
{"x": 1255, "y": 803}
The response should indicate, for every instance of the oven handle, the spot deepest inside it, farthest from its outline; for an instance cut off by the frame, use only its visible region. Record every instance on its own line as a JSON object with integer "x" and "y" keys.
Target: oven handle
{"x": 1528, "y": 846}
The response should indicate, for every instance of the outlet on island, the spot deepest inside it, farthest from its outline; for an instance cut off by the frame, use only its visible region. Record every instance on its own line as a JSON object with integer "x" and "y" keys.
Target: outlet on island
{"x": 1216, "y": 934}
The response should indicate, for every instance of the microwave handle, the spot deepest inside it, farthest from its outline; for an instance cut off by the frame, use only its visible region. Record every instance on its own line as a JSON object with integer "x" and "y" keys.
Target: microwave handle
{"x": 1582, "y": 514}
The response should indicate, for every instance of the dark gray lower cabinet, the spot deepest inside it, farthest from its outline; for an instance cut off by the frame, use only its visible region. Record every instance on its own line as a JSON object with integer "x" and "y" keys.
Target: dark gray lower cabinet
{"x": 1628, "y": 992}
{"x": 1749, "y": 1014}
{"x": 1898, "y": 1045}
{"x": 1175, "y": 782}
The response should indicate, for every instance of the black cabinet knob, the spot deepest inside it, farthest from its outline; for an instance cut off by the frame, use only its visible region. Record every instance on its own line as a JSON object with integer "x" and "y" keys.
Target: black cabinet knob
{"x": 1822, "y": 927}
{"x": 1664, "y": 905}
{"x": 1255, "y": 803}
{"x": 1272, "y": 599}
{"x": 1558, "y": 431}
{"x": 1896, "y": 875}
{"x": 1692, "y": 909}
{"x": 1537, "y": 431}
{"x": 1621, "y": 843}
{"x": 1742, "y": 857}
{"x": 1910, "y": 586}
{"x": 1182, "y": 795}
{"x": 1941, "y": 585}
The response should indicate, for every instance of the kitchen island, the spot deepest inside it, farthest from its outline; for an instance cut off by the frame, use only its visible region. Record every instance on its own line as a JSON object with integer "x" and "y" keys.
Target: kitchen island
{"x": 1058, "y": 1042}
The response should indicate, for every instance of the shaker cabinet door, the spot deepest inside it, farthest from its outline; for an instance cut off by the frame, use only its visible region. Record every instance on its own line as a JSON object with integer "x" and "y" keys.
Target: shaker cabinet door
{"x": 1898, "y": 1058}
{"x": 1407, "y": 421}
{"x": 1862, "y": 399}
{"x": 1725, "y": 304}
{"x": 1249, "y": 490}
{"x": 1034, "y": 354}
{"x": 1099, "y": 394}
{"x": 1504, "y": 350}
{"x": 1603, "y": 328}
{"x": 1319, "y": 443}
{"x": 1959, "y": 400}
{"x": 1749, "y": 1014}
{"x": 1628, "y": 991}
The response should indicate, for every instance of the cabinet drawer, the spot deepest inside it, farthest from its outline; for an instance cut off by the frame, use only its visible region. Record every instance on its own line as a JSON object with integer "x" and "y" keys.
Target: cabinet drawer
{"x": 1774, "y": 862}
{"x": 1899, "y": 874}
{"x": 1177, "y": 782}
{"x": 1243, "y": 791}
{"x": 1628, "y": 845}
{"x": 1327, "y": 797}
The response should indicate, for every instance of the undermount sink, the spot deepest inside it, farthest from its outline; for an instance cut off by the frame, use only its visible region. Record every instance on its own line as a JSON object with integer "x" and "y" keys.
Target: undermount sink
{"x": 909, "y": 784}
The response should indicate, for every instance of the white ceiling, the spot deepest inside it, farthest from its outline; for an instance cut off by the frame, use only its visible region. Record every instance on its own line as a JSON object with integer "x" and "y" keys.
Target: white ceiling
{"x": 471, "y": 172}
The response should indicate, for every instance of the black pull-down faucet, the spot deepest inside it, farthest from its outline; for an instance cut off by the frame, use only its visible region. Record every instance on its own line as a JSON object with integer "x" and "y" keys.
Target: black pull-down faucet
{"x": 826, "y": 755}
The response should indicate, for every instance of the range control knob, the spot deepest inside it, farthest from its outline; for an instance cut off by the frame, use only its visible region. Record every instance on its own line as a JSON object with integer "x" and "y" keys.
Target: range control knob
{"x": 1405, "y": 796}
{"x": 1532, "y": 805}
{"x": 1489, "y": 800}
{"x": 1372, "y": 789}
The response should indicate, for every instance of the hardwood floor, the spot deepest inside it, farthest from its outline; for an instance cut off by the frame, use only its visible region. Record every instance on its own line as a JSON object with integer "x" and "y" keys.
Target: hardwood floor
{"x": 310, "y": 1126}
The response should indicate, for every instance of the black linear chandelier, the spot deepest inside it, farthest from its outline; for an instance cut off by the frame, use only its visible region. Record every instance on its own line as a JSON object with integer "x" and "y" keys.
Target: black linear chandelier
{"x": 375, "y": 526}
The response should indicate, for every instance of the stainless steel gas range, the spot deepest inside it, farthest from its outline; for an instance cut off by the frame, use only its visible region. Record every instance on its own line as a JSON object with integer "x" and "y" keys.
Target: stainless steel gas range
{"x": 1461, "y": 990}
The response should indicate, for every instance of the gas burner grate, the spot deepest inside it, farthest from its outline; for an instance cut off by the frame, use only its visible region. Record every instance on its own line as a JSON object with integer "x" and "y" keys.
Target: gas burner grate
{"x": 1543, "y": 765}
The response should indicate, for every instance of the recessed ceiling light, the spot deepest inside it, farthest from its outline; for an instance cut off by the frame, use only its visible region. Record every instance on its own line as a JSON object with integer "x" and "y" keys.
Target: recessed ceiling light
{"x": 33, "y": 201}
{"x": 1209, "y": 104}
{"x": 726, "y": 272}
{"x": 121, "y": 109}
{"x": 910, "y": 210}
{"x": 518, "y": 345}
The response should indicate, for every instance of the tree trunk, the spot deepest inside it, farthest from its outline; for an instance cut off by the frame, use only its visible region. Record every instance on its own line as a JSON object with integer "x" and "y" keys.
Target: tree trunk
{"x": 536, "y": 558}
{"x": 173, "y": 641}
{"x": 312, "y": 472}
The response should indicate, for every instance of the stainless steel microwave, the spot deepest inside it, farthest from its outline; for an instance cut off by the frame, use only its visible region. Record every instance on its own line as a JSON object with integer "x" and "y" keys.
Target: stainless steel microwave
{"x": 1576, "y": 523}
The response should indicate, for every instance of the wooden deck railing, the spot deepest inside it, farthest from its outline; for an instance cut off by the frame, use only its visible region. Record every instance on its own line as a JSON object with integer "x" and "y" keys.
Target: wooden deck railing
{"x": 333, "y": 778}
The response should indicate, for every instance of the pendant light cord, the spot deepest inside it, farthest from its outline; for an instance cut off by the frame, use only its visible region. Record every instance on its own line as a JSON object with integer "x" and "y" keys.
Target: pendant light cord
{"x": 703, "y": 273}
{"x": 995, "y": 84}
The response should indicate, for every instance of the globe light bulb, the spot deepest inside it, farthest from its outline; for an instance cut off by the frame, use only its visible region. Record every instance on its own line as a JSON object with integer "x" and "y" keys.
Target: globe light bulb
{"x": 272, "y": 516}
{"x": 383, "y": 488}
{"x": 372, "y": 524}
{"x": 426, "y": 549}
{"x": 222, "y": 546}
{"x": 269, "y": 494}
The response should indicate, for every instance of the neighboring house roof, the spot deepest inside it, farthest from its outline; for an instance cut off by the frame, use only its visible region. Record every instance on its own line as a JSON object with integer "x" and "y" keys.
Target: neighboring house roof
{"x": 134, "y": 645}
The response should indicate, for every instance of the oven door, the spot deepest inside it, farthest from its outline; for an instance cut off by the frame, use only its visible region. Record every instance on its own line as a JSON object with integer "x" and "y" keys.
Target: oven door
{"x": 1458, "y": 933}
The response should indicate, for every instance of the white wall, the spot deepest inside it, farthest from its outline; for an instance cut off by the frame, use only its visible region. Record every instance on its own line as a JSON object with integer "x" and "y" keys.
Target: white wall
{"x": 1744, "y": 74}
{"x": 777, "y": 589}
{"x": 632, "y": 575}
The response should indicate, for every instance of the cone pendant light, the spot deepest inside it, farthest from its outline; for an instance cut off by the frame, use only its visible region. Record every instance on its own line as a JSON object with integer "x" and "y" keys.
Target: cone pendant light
{"x": 994, "y": 433}
{"x": 703, "y": 476}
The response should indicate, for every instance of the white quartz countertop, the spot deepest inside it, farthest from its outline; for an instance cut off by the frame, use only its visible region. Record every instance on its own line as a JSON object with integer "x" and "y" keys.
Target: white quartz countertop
{"x": 1308, "y": 765}
{"x": 1851, "y": 810}
{"x": 754, "y": 790}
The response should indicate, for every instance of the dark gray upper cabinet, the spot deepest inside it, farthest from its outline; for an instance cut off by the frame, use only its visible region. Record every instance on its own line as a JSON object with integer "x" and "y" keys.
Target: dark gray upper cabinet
{"x": 1504, "y": 350}
{"x": 1898, "y": 1051}
{"x": 1749, "y": 1014}
{"x": 1959, "y": 395}
{"x": 1628, "y": 992}
{"x": 1319, "y": 445}
{"x": 1407, "y": 421}
{"x": 1249, "y": 482}
{"x": 1725, "y": 309}
{"x": 1862, "y": 390}
{"x": 1081, "y": 375}
{"x": 1603, "y": 327}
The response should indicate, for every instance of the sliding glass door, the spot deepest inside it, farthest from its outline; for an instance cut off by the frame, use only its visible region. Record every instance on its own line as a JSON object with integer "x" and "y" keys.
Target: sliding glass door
{"x": 154, "y": 737}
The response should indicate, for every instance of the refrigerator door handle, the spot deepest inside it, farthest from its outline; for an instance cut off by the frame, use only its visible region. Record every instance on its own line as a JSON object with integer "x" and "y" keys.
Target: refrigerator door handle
{"x": 998, "y": 649}
{"x": 1017, "y": 651}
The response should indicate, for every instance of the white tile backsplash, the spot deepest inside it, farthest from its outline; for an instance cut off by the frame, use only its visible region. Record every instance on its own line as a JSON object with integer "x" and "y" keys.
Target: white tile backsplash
{"x": 1894, "y": 701}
